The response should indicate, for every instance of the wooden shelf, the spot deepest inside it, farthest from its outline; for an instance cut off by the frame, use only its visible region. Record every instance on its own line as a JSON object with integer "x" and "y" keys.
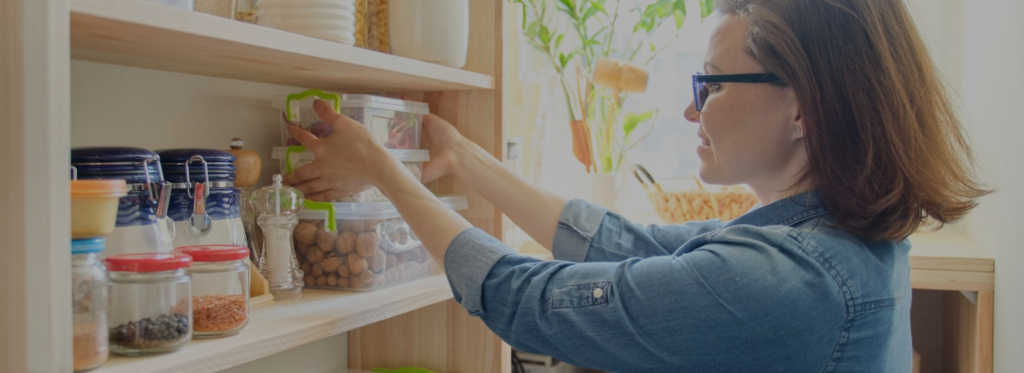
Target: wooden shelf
{"x": 281, "y": 326}
{"x": 948, "y": 260}
{"x": 154, "y": 36}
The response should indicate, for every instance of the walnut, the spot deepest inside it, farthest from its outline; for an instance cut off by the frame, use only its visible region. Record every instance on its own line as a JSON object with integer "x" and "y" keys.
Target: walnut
{"x": 403, "y": 258}
{"x": 392, "y": 261}
{"x": 357, "y": 264}
{"x": 321, "y": 281}
{"x": 346, "y": 242}
{"x": 325, "y": 240}
{"x": 332, "y": 280}
{"x": 317, "y": 271}
{"x": 315, "y": 256}
{"x": 301, "y": 248}
{"x": 343, "y": 271}
{"x": 366, "y": 277}
{"x": 305, "y": 267}
{"x": 356, "y": 283}
{"x": 343, "y": 282}
{"x": 305, "y": 233}
{"x": 378, "y": 260}
{"x": 309, "y": 280}
{"x": 357, "y": 226}
{"x": 331, "y": 264}
{"x": 366, "y": 244}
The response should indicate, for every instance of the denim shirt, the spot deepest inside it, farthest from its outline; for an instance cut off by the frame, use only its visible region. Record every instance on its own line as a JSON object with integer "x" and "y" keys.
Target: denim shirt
{"x": 775, "y": 290}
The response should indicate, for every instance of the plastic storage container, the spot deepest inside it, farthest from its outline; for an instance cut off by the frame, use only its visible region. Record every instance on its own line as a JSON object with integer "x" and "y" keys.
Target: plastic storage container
{"x": 151, "y": 303}
{"x": 204, "y": 201}
{"x": 245, "y": 11}
{"x": 220, "y": 289}
{"x": 368, "y": 246}
{"x": 88, "y": 304}
{"x": 182, "y": 4}
{"x": 332, "y": 20}
{"x": 293, "y": 157}
{"x": 394, "y": 123}
{"x": 142, "y": 222}
{"x": 435, "y": 31}
{"x": 94, "y": 206}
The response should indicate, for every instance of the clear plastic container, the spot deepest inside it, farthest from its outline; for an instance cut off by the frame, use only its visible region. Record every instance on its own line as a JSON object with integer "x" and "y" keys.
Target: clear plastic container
{"x": 88, "y": 304}
{"x": 364, "y": 246}
{"x": 150, "y": 303}
{"x": 220, "y": 289}
{"x": 435, "y": 31}
{"x": 394, "y": 123}
{"x": 293, "y": 157}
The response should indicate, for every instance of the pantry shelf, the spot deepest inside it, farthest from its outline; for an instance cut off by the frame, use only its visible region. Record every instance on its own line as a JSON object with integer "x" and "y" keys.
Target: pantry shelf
{"x": 319, "y": 314}
{"x": 153, "y": 36}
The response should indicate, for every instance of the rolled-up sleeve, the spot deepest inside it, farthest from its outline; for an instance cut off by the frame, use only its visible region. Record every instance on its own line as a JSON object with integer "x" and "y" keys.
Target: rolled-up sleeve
{"x": 590, "y": 233}
{"x": 689, "y": 311}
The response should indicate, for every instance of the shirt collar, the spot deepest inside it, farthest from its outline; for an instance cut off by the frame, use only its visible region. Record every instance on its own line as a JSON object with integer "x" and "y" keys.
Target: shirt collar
{"x": 788, "y": 211}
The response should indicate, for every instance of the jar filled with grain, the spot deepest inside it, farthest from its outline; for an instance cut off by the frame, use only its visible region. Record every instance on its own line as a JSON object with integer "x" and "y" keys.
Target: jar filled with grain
{"x": 89, "y": 304}
{"x": 219, "y": 8}
{"x": 220, "y": 289}
{"x": 151, "y": 303}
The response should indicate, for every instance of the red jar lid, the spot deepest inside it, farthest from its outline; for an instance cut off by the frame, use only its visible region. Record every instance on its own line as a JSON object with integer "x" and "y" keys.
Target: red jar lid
{"x": 147, "y": 262}
{"x": 214, "y": 253}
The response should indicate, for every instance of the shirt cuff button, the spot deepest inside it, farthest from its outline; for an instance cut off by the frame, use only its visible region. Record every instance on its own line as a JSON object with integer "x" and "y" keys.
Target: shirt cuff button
{"x": 598, "y": 293}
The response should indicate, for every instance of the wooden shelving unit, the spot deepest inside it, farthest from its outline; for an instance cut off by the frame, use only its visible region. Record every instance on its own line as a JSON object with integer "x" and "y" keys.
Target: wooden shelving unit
{"x": 153, "y": 36}
{"x": 281, "y": 326}
{"x": 418, "y": 321}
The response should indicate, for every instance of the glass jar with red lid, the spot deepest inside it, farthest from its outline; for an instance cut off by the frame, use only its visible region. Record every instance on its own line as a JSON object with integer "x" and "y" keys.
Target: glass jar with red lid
{"x": 220, "y": 289}
{"x": 150, "y": 303}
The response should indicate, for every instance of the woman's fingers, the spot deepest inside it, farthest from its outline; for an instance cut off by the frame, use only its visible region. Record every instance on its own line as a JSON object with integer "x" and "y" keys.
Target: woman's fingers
{"x": 302, "y": 136}
{"x": 301, "y": 175}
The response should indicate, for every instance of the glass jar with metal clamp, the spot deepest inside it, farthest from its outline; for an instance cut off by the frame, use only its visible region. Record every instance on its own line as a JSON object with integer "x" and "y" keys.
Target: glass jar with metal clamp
{"x": 204, "y": 201}
{"x": 142, "y": 224}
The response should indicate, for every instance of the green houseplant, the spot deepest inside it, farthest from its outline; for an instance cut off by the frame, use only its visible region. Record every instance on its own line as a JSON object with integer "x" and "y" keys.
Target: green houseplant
{"x": 583, "y": 41}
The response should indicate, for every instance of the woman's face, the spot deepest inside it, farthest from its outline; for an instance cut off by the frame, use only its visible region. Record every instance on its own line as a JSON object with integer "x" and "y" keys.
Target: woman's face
{"x": 748, "y": 130}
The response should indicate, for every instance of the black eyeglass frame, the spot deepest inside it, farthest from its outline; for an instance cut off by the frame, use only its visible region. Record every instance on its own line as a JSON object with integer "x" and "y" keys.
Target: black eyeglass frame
{"x": 700, "y": 92}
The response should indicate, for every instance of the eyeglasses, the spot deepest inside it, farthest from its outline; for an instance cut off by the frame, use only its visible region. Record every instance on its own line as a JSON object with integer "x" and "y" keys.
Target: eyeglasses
{"x": 700, "y": 91}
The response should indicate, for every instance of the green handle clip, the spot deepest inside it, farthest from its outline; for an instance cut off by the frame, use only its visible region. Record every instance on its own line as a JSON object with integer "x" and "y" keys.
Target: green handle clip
{"x": 332, "y": 224}
{"x": 307, "y": 94}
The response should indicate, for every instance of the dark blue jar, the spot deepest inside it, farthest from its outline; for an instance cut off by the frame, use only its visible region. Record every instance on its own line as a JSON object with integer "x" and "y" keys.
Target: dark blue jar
{"x": 211, "y": 173}
{"x": 142, "y": 224}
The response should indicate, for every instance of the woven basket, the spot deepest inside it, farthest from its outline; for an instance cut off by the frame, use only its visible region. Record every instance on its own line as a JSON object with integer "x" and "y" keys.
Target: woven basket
{"x": 684, "y": 206}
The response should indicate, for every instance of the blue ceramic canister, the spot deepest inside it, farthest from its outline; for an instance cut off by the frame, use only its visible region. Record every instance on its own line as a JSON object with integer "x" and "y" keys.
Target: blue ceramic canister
{"x": 142, "y": 222}
{"x": 204, "y": 201}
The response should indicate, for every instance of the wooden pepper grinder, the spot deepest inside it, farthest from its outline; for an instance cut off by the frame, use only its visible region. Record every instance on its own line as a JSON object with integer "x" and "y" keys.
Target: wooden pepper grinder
{"x": 248, "y": 164}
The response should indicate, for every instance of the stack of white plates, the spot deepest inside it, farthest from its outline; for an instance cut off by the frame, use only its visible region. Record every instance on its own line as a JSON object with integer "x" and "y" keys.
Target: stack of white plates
{"x": 332, "y": 20}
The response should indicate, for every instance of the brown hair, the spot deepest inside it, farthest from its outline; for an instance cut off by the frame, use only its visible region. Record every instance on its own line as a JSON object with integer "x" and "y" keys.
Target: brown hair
{"x": 885, "y": 145}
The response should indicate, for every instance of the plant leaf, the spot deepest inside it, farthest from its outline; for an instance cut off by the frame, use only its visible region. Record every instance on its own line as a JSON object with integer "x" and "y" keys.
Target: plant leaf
{"x": 653, "y": 47}
{"x": 679, "y": 16}
{"x": 563, "y": 59}
{"x": 632, "y": 120}
{"x": 545, "y": 35}
{"x": 558, "y": 41}
{"x": 706, "y": 8}
{"x": 599, "y": 5}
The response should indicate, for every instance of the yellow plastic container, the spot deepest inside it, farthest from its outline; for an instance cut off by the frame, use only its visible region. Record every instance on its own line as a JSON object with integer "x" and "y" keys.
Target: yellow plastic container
{"x": 94, "y": 206}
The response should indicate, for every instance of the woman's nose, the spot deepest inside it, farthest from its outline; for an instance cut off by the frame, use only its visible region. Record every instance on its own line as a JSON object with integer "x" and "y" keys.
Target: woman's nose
{"x": 691, "y": 113}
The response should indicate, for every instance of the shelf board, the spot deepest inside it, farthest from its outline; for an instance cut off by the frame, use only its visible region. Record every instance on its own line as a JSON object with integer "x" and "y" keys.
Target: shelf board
{"x": 285, "y": 325}
{"x": 154, "y": 36}
{"x": 948, "y": 251}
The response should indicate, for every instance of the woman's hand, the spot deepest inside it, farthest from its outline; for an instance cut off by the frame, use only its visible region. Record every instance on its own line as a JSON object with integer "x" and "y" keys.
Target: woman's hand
{"x": 347, "y": 162}
{"x": 444, "y": 143}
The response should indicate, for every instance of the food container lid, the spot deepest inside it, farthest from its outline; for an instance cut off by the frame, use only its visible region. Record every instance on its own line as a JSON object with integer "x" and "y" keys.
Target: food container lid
{"x": 115, "y": 163}
{"x": 361, "y": 101}
{"x": 220, "y": 165}
{"x": 214, "y": 253}
{"x": 147, "y": 262}
{"x": 111, "y": 188}
{"x": 403, "y": 155}
{"x": 88, "y": 245}
{"x": 371, "y": 210}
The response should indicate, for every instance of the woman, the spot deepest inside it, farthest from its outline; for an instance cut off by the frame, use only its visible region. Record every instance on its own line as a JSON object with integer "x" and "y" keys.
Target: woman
{"x": 830, "y": 110}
